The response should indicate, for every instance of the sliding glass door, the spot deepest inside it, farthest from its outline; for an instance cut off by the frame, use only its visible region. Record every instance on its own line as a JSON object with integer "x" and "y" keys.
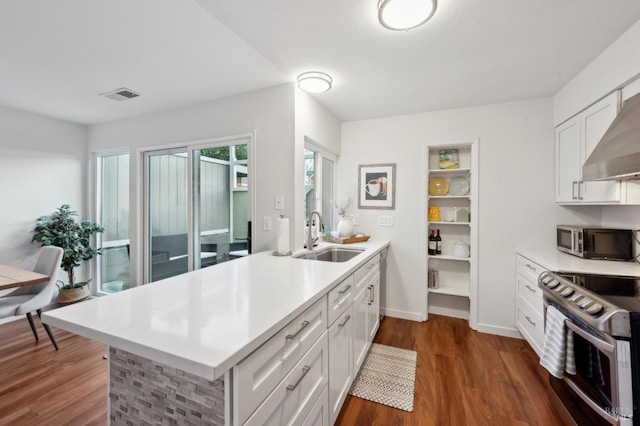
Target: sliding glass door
{"x": 197, "y": 208}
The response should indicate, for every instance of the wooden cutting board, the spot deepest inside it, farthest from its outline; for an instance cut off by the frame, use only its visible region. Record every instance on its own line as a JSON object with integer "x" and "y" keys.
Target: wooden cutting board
{"x": 347, "y": 240}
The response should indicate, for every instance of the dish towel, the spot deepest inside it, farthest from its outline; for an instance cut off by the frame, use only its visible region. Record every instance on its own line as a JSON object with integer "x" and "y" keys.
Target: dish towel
{"x": 554, "y": 355}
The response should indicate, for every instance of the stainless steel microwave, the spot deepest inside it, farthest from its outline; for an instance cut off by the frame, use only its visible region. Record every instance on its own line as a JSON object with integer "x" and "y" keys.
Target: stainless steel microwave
{"x": 595, "y": 242}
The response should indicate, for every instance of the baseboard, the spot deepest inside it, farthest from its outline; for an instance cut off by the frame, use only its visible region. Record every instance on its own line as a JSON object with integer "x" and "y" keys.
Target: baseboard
{"x": 499, "y": 331}
{"x": 395, "y": 313}
{"x": 449, "y": 312}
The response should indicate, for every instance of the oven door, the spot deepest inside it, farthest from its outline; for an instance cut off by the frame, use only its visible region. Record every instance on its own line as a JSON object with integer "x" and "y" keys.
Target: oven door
{"x": 592, "y": 396}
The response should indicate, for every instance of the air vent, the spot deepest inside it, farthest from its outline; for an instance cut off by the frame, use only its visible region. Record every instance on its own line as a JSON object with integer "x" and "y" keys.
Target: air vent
{"x": 121, "y": 94}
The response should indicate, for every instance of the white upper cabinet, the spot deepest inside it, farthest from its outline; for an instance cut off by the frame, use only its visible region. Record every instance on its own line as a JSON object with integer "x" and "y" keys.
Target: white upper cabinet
{"x": 575, "y": 140}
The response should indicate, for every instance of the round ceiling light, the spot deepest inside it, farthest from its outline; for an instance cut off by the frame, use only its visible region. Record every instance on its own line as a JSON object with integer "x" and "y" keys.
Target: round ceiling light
{"x": 403, "y": 15}
{"x": 314, "y": 81}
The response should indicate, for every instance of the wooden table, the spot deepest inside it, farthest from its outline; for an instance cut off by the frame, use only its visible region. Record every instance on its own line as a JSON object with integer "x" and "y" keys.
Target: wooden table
{"x": 11, "y": 277}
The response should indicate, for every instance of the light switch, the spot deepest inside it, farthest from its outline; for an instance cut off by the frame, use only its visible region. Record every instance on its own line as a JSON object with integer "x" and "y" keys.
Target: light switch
{"x": 279, "y": 202}
{"x": 385, "y": 220}
{"x": 356, "y": 219}
{"x": 266, "y": 223}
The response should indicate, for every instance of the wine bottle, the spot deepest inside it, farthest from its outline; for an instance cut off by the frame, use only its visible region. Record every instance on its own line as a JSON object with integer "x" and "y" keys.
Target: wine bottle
{"x": 432, "y": 244}
{"x": 438, "y": 243}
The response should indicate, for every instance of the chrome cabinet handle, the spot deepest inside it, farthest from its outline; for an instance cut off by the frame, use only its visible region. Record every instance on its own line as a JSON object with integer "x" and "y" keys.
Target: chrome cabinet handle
{"x": 293, "y": 336}
{"x": 533, "y": 290}
{"x": 580, "y": 193}
{"x": 573, "y": 190}
{"x": 371, "y": 294}
{"x": 344, "y": 290}
{"x": 305, "y": 370}
{"x": 530, "y": 322}
{"x": 531, "y": 267}
{"x": 371, "y": 266}
{"x": 346, "y": 320}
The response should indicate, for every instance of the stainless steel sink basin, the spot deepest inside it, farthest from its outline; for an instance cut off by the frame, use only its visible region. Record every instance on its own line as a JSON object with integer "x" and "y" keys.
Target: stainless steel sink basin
{"x": 330, "y": 254}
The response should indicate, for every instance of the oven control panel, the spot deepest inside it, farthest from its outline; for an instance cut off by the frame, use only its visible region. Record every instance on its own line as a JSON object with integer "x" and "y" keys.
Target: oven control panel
{"x": 568, "y": 292}
{"x": 580, "y": 302}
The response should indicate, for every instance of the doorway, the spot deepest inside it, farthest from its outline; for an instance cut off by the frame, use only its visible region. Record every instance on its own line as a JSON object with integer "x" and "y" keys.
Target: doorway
{"x": 197, "y": 207}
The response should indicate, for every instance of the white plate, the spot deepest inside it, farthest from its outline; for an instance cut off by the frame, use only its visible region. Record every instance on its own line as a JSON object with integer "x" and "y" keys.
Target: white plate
{"x": 459, "y": 186}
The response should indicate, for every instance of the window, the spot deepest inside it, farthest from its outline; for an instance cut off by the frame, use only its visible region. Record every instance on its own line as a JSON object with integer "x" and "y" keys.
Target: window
{"x": 113, "y": 215}
{"x": 319, "y": 184}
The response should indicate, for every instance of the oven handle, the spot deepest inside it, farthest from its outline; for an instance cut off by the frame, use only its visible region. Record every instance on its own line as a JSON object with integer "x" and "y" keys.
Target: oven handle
{"x": 595, "y": 407}
{"x": 598, "y": 343}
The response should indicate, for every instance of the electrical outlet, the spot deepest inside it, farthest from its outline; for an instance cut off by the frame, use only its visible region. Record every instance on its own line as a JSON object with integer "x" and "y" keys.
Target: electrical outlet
{"x": 356, "y": 219}
{"x": 279, "y": 202}
{"x": 385, "y": 220}
{"x": 266, "y": 223}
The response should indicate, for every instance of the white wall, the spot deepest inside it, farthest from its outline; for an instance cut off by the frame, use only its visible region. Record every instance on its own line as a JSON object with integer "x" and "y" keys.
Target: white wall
{"x": 42, "y": 166}
{"x": 516, "y": 200}
{"x": 268, "y": 113}
{"x": 315, "y": 123}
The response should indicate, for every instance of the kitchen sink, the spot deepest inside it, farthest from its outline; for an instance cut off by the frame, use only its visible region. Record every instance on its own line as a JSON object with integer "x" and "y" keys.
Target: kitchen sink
{"x": 330, "y": 254}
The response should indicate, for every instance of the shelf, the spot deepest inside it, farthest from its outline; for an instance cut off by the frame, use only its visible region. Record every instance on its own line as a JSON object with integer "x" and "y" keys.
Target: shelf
{"x": 451, "y": 291}
{"x": 449, "y": 223}
{"x": 449, "y": 171}
{"x": 451, "y": 197}
{"x": 448, "y": 257}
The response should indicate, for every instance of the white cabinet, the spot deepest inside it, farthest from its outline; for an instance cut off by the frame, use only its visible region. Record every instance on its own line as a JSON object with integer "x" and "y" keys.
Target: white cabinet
{"x": 319, "y": 414}
{"x": 341, "y": 372}
{"x": 257, "y": 375}
{"x": 366, "y": 318}
{"x": 452, "y": 208}
{"x": 529, "y": 302}
{"x": 292, "y": 400}
{"x": 575, "y": 140}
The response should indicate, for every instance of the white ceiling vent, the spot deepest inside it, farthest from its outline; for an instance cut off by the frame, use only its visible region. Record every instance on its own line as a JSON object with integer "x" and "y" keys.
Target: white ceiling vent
{"x": 121, "y": 94}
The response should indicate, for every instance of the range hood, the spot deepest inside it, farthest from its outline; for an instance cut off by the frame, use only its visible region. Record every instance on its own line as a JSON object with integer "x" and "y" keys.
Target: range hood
{"x": 617, "y": 155}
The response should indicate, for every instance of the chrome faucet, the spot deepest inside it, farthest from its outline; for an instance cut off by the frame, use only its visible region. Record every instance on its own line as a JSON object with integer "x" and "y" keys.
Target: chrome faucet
{"x": 310, "y": 239}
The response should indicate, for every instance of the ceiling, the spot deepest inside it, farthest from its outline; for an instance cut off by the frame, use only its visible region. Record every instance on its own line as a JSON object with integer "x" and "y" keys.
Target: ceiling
{"x": 56, "y": 57}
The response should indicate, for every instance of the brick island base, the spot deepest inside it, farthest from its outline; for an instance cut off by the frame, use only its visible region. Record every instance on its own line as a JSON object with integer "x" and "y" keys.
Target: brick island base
{"x": 145, "y": 392}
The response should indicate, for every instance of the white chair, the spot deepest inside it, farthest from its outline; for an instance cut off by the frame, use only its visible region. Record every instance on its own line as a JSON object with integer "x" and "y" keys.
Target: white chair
{"x": 25, "y": 300}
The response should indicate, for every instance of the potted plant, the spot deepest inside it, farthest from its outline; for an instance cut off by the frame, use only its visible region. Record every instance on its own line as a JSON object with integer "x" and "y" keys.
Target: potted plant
{"x": 61, "y": 229}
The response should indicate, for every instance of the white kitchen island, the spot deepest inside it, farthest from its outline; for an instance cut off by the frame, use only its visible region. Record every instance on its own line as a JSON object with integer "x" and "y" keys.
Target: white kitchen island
{"x": 214, "y": 346}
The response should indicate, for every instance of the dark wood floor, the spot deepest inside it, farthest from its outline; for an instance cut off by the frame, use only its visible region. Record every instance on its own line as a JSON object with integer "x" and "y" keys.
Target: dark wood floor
{"x": 463, "y": 378}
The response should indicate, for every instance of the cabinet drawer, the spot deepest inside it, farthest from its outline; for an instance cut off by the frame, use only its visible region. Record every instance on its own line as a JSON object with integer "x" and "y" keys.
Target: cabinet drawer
{"x": 528, "y": 268}
{"x": 339, "y": 298}
{"x": 529, "y": 291}
{"x": 361, "y": 275}
{"x": 260, "y": 372}
{"x": 292, "y": 400}
{"x": 319, "y": 414}
{"x": 531, "y": 325}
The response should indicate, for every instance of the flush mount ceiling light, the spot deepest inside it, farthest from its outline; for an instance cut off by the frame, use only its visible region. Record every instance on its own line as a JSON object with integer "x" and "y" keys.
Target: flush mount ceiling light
{"x": 314, "y": 81}
{"x": 403, "y": 15}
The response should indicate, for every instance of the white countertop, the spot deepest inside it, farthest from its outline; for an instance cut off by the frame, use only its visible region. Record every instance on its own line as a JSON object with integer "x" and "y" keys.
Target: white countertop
{"x": 555, "y": 260}
{"x": 206, "y": 321}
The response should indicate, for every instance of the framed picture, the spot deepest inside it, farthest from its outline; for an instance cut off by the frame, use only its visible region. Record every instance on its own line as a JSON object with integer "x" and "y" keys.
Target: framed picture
{"x": 377, "y": 186}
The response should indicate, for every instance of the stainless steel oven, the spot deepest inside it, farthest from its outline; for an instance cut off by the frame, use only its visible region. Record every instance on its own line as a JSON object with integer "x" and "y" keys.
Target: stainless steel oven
{"x": 602, "y": 313}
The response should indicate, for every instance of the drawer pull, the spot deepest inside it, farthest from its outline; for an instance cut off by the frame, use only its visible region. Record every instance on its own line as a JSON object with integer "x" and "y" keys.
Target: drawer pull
{"x": 305, "y": 370}
{"x": 346, "y": 320}
{"x": 293, "y": 336}
{"x": 533, "y": 290}
{"x": 344, "y": 290}
{"x": 530, "y": 322}
{"x": 371, "y": 293}
{"x": 371, "y": 266}
{"x": 531, "y": 267}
